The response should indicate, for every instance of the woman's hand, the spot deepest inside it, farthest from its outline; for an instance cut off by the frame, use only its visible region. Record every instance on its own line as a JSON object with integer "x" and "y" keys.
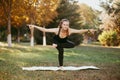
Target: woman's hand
{"x": 54, "y": 45}
{"x": 30, "y": 26}
{"x": 37, "y": 27}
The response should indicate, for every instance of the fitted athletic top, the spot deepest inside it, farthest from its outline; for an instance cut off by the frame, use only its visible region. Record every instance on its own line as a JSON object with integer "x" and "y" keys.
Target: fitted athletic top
{"x": 57, "y": 38}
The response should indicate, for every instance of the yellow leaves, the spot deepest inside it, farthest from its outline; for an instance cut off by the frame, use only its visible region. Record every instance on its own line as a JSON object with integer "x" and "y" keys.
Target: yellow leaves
{"x": 44, "y": 12}
{"x": 24, "y": 11}
{"x": 19, "y": 20}
{"x": 26, "y": 18}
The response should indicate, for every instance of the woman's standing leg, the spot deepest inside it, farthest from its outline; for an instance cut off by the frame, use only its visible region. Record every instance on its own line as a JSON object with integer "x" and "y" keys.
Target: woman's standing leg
{"x": 60, "y": 55}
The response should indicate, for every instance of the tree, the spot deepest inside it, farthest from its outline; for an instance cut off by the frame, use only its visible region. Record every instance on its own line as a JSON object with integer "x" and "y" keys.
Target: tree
{"x": 18, "y": 22}
{"x": 19, "y": 17}
{"x": 41, "y": 12}
{"x": 10, "y": 11}
{"x": 46, "y": 12}
{"x": 111, "y": 17}
{"x": 31, "y": 13}
{"x": 7, "y": 8}
{"x": 19, "y": 13}
{"x": 89, "y": 17}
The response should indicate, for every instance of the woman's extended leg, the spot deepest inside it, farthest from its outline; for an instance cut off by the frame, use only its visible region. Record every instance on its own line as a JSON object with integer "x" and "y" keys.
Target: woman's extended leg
{"x": 68, "y": 44}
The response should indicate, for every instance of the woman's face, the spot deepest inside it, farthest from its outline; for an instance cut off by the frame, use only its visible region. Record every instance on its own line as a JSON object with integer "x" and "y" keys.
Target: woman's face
{"x": 65, "y": 25}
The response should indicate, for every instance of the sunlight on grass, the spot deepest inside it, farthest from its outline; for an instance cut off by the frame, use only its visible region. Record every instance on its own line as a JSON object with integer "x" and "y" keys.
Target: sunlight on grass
{"x": 97, "y": 44}
{"x": 3, "y": 44}
{"x": 70, "y": 53}
{"x": 2, "y": 59}
{"x": 76, "y": 54}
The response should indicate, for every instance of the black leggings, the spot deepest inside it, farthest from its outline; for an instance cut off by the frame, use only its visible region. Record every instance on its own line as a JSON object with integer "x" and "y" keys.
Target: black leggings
{"x": 60, "y": 47}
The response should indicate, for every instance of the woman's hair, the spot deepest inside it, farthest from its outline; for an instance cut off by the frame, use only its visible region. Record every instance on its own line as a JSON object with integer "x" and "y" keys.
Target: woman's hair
{"x": 60, "y": 25}
{"x": 61, "y": 22}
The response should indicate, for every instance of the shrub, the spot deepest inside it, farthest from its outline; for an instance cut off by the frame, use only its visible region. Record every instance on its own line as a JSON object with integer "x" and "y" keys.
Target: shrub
{"x": 108, "y": 38}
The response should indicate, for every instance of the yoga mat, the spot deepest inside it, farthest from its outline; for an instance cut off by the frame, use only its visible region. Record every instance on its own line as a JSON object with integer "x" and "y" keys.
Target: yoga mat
{"x": 70, "y": 68}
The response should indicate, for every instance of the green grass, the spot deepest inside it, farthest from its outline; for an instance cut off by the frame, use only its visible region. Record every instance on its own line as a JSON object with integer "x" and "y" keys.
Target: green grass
{"x": 20, "y": 55}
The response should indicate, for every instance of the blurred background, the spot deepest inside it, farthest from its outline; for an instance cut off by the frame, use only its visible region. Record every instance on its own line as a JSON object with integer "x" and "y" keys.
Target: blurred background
{"x": 102, "y": 15}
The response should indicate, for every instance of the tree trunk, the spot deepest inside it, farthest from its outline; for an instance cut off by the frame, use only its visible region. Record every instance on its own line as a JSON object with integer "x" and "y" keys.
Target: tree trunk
{"x": 32, "y": 41}
{"x": 18, "y": 36}
{"x": 9, "y": 40}
{"x": 32, "y": 37}
{"x": 44, "y": 38}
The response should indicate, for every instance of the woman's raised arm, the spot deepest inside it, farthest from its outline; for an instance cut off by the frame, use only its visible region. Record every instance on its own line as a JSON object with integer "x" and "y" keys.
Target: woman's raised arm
{"x": 80, "y": 31}
{"x": 52, "y": 30}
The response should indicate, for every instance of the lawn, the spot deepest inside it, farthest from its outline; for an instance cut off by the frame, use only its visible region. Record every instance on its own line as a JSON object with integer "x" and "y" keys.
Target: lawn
{"x": 20, "y": 55}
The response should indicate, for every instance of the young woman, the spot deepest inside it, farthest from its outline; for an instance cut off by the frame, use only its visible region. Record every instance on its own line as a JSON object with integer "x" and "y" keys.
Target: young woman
{"x": 61, "y": 38}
